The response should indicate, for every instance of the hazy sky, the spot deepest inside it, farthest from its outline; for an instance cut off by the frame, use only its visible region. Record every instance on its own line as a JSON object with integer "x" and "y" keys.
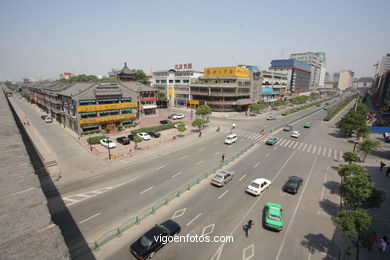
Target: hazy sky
{"x": 42, "y": 39}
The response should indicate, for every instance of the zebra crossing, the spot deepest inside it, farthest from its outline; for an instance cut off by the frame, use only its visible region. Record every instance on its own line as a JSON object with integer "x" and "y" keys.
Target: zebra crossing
{"x": 310, "y": 148}
{"x": 246, "y": 134}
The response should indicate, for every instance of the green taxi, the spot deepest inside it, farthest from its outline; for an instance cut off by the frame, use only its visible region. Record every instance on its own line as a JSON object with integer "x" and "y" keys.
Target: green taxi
{"x": 271, "y": 140}
{"x": 307, "y": 125}
{"x": 271, "y": 117}
{"x": 273, "y": 218}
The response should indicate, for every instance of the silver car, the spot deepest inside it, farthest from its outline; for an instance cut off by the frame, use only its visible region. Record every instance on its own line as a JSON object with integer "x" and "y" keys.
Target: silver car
{"x": 222, "y": 178}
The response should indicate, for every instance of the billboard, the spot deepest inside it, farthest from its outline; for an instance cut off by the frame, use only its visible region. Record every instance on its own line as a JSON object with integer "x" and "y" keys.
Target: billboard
{"x": 92, "y": 108}
{"x": 106, "y": 119}
{"x": 227, "y": 72}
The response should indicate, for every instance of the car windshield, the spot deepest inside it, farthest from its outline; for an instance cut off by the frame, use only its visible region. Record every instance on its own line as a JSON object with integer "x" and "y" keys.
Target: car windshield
{"x": 292, "y": 184}
{"x": 255, "y": 185}
{"x": 145, "y": 242}
{"x": 274, "y": 217}
{"x": 218, "y": 178}
{"x": 109, "y": 141}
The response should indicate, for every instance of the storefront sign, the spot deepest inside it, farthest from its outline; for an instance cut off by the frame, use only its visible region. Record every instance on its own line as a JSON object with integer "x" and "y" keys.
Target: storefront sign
{"x": 148, "y": 99}
{"x": 106, "y": 107}
{"x": 106, "y": 119}
{"x": 227, "y": 72}
{"x": 183, "y": 66}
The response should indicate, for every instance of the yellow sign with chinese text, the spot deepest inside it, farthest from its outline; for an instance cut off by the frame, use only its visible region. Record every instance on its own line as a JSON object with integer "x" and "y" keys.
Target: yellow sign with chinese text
{"x": 194, "y": 102}
{"x": 235, "y": 71}
{"x": 93, "y": 108}
{"x": 106, "y": 119}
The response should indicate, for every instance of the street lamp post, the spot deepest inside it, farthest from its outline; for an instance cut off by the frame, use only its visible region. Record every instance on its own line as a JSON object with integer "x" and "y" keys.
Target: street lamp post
{"x": 108, "y": 147}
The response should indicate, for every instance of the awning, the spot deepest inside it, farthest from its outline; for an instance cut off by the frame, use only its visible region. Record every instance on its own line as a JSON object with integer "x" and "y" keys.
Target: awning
{"x": 109, "y": 111}
{"x": 87, "y": 101}
{"x": 125, "y": 99}
{"x": 127, "y": 121}
{"x": 108, "y": 99}
{"x": 242, "y": 102}
{"x": 275, "y": 93}
{"x": 127, "y": 109}
{"x": 87, "y": 114}
{"x": 90, "y": 126}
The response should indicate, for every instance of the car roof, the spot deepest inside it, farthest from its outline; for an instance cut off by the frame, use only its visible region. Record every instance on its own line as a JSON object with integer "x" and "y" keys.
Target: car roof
{"x": 223, "y": 173}
{"x": 295, "y": 178}
{"x": 260, "y": 180}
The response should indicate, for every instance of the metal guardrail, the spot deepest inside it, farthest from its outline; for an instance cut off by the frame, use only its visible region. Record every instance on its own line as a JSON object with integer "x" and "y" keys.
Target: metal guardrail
{"x": 108, "y": 236}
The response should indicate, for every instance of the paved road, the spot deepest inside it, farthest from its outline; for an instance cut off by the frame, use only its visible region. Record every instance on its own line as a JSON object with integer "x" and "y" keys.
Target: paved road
{"x": 308, "y": 232}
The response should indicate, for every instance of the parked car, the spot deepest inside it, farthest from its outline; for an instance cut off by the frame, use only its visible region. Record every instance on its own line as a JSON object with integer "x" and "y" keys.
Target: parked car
{"x": 123, "y": 140}
{"x": 154, "y": 134}
{"x": 171, "y": 115}
{"x": 108, "y": 143}
{"x": 273, "y": 217}
{"x": 271, "y": 117}
{"x": 271, "y": 140}
{"x": 165, "y": 121}
{"x": 177, "y": 116}
{"x": 147, "y": 245}
{"x": 295, "y": 134}
{"x": 258, "y": 186}
{"x": 48, "y": 119}
{"x": 131, "y": 137}
{"x": 287, "y": 128}
{"x": 222, "y": 178}
{"x": 144, "y": 136}
{"x": 44, "y": 117}
{"x": 292, "y": 185}
{"x": 307, "y": 125}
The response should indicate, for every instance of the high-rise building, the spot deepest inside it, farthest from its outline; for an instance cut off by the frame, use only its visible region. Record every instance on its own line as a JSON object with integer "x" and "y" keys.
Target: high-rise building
{"x": 317, "y": 62}
{"x": 384, "y": 65}
{"x": 298, "y": 75}
{"x": 345, "y": 80}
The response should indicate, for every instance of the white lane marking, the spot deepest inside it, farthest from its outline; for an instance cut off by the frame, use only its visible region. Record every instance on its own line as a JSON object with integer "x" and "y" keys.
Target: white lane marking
{"x": 319, "y": 150}
{"x": 267, "y": 155}
{"x": 201, "y": 149}
{"x": 282, "y": 142}
{"x": 314, "y": 148}
{"x": 335, "y": 154}
{"x": 126, "y": 182}
{"x": 295, "y": 145}
{"x": 217, "y": 254}
{"x": 243, "y": 176}
{"x": 181, "y": 158}
{"x": 341, "y": 155}
{"x": 308, "y": 149}
{"x": 330, "y": 153}
{"x": 99, "y": 176}
{"x": 295, "y": 210}
{"x": 83, "y": 195}
{"x": 173, "y": 176}
{"x": 179, "y": 213}
{"x": 72, "y": 200}
{"x": 189, "y": 223}
{"x": 323, "y": 188}
{"x": 146, "y": 190}
{"x": 304, "y": 148}
{"x": 252, "y": 252}
{"x": 222, "y": 194}
{"x": 162, "y": 166}
{"x": 90, "y": 218}
{"x": 275, "y": 148}
{"x": 299, "y": 147}
{"x": 199, "y": 162}
{"x": 292, "y": 142}
{"x": 257, "y": 164}
{"x": 216, "y": 142}
{"x": 324, "y": 153}
{"x": 217, "y": 153}
{"x": 287, "y": 143}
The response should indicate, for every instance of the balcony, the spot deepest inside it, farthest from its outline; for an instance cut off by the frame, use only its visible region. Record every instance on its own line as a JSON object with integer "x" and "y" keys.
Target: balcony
{"x": 199, "y": 93}
{"x": 220, "y": 102}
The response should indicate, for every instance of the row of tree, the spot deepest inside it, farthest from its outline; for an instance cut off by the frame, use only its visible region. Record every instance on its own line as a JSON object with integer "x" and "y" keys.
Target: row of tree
{"x": 354, "y": 122}
{"x": 139, "y": 76}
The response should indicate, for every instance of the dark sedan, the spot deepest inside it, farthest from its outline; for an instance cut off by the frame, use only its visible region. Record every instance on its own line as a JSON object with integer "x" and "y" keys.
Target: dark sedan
{"x": 147, "y": 245}
{"x": 154, "y": 134}
{"x": 123, "y": 140}
{"x": 164, "y": 121}
{"x": 293, "y": 184}
{"x": 131, "y": 137}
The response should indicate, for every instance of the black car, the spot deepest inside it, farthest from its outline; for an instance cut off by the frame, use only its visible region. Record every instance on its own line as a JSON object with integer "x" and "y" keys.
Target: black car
{"x": 44, "y": 117}
{"x": 293, "y": 184}
{"x": 131, "y": 137}
{"x": 147, "y": 245}
{"x": 164, "y": 122}
{"x": 154, "y": 134}
{"x": 123, "y": 140}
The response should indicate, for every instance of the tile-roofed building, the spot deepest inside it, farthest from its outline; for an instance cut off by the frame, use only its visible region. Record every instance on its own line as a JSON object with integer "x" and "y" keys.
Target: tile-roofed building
{"x": 125, "y": 74}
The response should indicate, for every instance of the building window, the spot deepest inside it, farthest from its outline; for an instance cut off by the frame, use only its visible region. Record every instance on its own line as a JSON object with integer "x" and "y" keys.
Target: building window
{"x": 186, "y": 81}
{"x": 163, "y": 81}
{"x": 177, "y": 80}
{"x": 157, "y": 81}
{"x": 171, "y": 81}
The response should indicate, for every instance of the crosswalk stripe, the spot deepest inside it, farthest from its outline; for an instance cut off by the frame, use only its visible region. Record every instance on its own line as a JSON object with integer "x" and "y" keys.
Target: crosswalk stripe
{"x": 335, "y": 154}
{"x": 341, "y": 155}
{"x": 295, "y": 145}
{"x": 319, "y": 150}
{"x": 304, "y": 148}
{"x": 282, "y": 142}
{"x": 299, "y": 147}
{"x": 292, "y": 142}
{"x": 314, "y": 148}
{"x": 330, "y": 152}
{"x": 308, "y": 149}
{"x": 324, "y": 152}
{"x": 287, "y": 143}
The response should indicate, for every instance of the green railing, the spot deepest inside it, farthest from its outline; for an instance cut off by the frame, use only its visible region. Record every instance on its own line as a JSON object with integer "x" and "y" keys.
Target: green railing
{"x": 147, "y": 212}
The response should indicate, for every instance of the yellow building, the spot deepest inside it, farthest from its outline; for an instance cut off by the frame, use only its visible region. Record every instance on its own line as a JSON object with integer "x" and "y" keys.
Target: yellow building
{"x": 234, "y": 71}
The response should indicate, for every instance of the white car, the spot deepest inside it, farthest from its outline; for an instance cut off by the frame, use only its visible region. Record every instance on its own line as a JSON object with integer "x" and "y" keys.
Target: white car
{"x": 295, "y": 134}
{"x": 144, "y": 136}
{"x": 108, "y": 143}
{"x": 48, "y": 119}
{"x": 177, "y": 116}
{"x": 258, "y": 186}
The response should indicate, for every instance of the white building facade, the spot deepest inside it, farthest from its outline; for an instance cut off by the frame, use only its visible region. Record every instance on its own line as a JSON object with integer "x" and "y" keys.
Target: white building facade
{"x": 384, "y": 64}
{"x": 317, "y": 62}
{"x": 345, "y": 80}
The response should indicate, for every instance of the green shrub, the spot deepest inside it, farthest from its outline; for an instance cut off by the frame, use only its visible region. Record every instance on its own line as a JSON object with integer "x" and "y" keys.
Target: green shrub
{"x": 156, "y": 128}
{"x": 95, "y": 139}
{"x": 338, "y": 109}
{"x": 90, "y": 132}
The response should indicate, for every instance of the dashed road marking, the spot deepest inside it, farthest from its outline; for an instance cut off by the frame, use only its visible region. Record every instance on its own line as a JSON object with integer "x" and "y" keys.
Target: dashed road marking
{"x": 181, "y": 158}
{"x": 304, "y": 148}
{"x": 308, "y": 149}
{"x": 299, "y": 147}
{"x": 148, "y": 189}
{"x": 314, "y": 149}
{"x": 90, "y": 218}
{"x": 199, "y": 162}
{"x": 173, "y": 176}
{"x": 201, "y": 149}
{"x": 295, "y": 145}
{"x": 222, "y": 194}
{"x": 178, "y": 213}
{"x": 257, "y": 164}
{"x": 162, "y": 166}
{"x": 251, "y": 252}
{"x": 267, "y": 155}
{"x": 243, "y": 176}
{"x": 189, "y": 223}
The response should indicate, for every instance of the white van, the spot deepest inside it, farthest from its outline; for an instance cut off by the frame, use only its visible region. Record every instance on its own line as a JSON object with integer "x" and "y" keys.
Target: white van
{"x": 230, "y": 139}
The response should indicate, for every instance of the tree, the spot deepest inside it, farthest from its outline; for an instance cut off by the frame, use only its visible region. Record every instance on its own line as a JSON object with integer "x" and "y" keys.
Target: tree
{"x": 140, "y": 76}
{"x": 203, "y": 110}
{"x": 356, "y": 189}
{"x": 350, "y": 157}
{"x": 375, "y": 200}
{"x": 198, "y": 122}
{"x": 137, "y": 139}
{"x": 349, "y": 170}
{"x": 161, "y": 96}
{"x": 363, "y": 131}
{"x": 367, "y": 146}
{"x": 354, "y": 224}
{"x": 351, "y": 122}
{"x": 181, "y": 129}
